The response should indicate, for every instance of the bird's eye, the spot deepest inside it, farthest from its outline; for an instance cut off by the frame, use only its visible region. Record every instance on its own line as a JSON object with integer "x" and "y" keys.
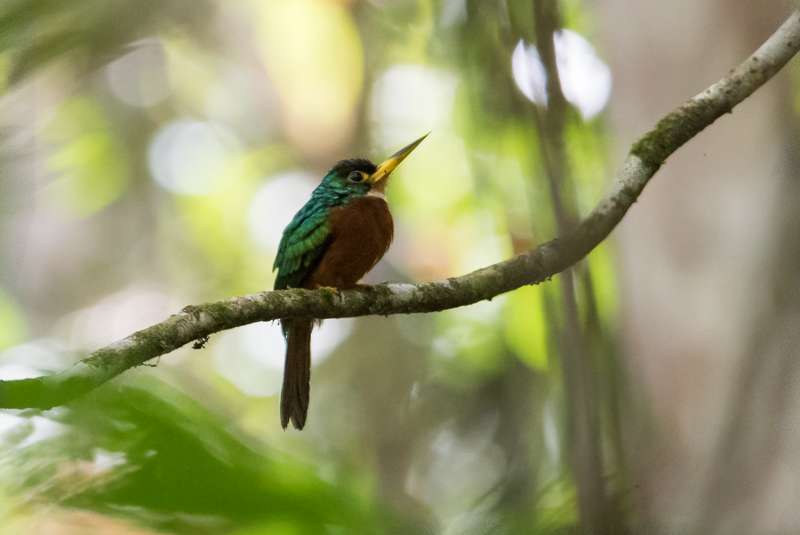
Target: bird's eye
{"x": 356, "y": 176}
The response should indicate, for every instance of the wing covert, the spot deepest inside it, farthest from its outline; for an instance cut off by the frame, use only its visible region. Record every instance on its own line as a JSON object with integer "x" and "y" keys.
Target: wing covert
{"x": 301, "y": 247}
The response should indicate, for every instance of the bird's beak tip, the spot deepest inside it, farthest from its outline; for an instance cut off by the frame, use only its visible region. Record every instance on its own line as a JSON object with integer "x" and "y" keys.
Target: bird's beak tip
{"x": 390, "y": 164}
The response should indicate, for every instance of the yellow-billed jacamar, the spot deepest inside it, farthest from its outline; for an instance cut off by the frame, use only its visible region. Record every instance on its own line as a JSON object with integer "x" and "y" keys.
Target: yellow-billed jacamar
{"x": 333, "y": 241}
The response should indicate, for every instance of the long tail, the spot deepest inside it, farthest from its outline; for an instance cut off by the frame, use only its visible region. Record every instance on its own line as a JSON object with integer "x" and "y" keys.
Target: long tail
{"x": 297, "y": 373}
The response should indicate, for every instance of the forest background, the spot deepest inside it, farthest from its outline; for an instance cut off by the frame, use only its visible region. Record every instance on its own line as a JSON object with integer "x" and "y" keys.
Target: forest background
{"x": 152, "y": 152}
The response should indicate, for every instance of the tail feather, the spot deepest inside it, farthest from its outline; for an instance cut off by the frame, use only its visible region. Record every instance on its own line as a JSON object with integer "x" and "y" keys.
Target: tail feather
{"x": 296, "y": 374}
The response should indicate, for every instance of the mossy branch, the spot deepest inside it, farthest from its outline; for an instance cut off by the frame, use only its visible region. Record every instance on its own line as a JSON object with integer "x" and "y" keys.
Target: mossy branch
{"x": 532, "y": 267}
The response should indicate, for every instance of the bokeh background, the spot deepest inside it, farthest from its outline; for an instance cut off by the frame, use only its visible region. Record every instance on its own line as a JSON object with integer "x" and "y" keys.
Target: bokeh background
{"x": 151, "y": 153}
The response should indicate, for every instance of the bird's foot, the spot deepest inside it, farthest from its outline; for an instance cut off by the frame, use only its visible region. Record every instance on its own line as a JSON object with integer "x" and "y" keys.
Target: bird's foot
{"x": 328, "y": 288}
{"x": 330, "y": 292}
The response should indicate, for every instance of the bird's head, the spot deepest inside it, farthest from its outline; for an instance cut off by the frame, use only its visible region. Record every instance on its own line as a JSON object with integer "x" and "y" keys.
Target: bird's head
{"x": 358, "y": 177}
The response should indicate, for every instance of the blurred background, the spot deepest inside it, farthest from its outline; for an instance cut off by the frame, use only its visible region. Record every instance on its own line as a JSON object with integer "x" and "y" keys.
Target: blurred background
{"x": 151, "y": 153}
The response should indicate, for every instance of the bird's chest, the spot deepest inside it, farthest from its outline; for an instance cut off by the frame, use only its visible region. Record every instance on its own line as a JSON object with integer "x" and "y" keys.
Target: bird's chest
{"x": 361, "y": 232}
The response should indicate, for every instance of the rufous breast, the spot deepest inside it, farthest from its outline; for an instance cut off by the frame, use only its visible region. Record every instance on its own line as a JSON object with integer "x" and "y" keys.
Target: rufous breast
{"x": 361, "y": 233}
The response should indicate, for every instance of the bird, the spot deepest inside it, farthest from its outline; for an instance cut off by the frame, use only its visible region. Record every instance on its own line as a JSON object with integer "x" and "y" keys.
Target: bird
{"x": 335, "y": 239}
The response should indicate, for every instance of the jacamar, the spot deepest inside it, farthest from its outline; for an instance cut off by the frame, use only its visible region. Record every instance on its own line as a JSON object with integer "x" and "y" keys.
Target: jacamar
{"x": 333, "y": 241}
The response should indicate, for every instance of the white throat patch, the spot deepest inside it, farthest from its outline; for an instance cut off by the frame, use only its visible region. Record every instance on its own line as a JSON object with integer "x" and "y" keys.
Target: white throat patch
{"x": 378, "y": 194}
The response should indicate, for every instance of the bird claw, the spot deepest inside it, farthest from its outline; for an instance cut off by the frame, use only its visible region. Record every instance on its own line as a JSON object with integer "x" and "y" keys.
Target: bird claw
{"x": 331, "y": 292}
{"x": 329, "y": 289}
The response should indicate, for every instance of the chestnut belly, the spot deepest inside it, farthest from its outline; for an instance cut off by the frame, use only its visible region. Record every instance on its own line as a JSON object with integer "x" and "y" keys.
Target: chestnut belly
{"x": 361, "y": 233}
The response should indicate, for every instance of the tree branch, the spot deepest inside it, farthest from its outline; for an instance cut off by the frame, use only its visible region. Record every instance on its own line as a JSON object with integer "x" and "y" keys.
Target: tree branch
{"x": 531, "y": 267}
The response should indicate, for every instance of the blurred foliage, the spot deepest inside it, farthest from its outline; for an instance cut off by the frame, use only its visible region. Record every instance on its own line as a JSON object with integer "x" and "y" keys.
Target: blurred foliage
{"x": 14, "y": 329}
{"x": 176, "y": 139}
{"x": 88, "y": 33}
{"x": 157, "y": 455}
{"x": 92, "y": 165}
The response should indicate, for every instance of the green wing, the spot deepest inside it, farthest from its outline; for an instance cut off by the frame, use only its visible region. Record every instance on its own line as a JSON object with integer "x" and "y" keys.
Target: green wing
{"x": 302, "y": 246}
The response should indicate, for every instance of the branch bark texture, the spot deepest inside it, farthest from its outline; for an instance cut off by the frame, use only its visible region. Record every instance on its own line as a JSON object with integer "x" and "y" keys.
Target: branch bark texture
{"x": 531, "y": 267}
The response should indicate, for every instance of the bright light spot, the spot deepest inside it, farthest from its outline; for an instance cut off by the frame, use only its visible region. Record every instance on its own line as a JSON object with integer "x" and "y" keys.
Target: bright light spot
{"x": 243, "y": 100}
{"x": 252, "y": 357}
{"x": 106, "y": 460}
{"x": 117, "y": 316}
{"x": 444, "y": 347}
{"x": 454, "y": 12}
{"x": 529, "y": 73}
{"x": 139, "y": 78}
{"x": 483, "y": 312}
{"x": 274, "y": 205}
{"x": 31, "y": 359}
{"x": 551, "y": 437}
{"x": 9, "y": 422}
{"x": 485, "y": 251}
{"x": 13, "y": 372}
{"x": 585, "y": 79}
{"x": 43, "y": 429}
{"x": 410, "y": 100}
{"x": 478, "y": 245}
{"x": 193, "y": 157}
{"x": 388, "y": 4}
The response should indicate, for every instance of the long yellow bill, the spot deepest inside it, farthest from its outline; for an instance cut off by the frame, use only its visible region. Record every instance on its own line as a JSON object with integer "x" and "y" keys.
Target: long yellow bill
{"x": 389, "y": 165}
